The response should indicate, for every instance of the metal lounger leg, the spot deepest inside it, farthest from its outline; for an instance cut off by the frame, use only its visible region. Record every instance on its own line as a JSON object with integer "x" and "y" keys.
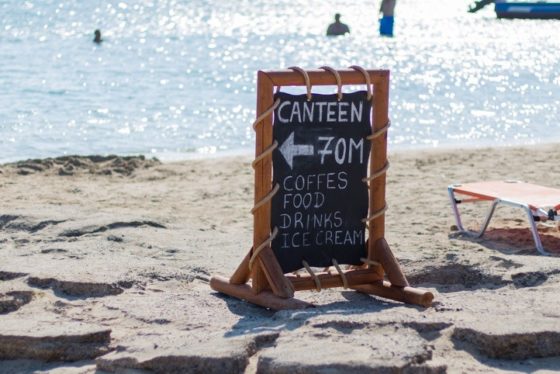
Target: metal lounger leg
{"x": 470, "y": 233}
{"x": 536, "y": 236}
{"x": 456, "y": 213}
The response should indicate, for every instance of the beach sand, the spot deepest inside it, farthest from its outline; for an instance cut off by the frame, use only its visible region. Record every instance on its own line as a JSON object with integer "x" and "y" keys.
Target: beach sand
{"x": 105, "y": 264}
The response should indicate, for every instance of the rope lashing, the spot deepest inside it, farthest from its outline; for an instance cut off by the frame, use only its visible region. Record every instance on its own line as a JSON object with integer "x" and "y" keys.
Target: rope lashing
{"x": 268, "y": 151}
{"x": 338, "y": 80}
{"x": 379, "y": 132}
{"x": 313, "y": 275}
{"x": 305, "y": 78}
{"x": 367, "y": 78}
{"x": 266, "y": 113}
{"x": 378, "y": 173}
{"x": 262, "y": 246}
{"x": 369, "y": 262}
{"x": 265, "y": 153}
{"x": 385, "y": 167}
{"x": 266, "y": 199}
{"x": 341, "y": 273}
{"x": 375, "y": 215}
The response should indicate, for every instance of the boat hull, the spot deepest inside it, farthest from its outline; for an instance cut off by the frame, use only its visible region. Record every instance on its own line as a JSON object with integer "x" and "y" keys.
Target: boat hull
{"x": 528, "y": 10}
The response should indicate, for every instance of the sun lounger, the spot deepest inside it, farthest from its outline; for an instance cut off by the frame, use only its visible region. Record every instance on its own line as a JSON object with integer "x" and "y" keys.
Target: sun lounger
{"x": 539, "y": 203}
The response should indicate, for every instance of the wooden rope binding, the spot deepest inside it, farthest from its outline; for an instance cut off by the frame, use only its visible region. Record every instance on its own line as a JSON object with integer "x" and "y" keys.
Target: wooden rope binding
{"x": 367, "y": 78}
{"x": 340, "y": 272}
{"x": 367, "y": 261}
{"x": 379, "y": 132}
{"x": 265, "y": 153}
{"x": 305, "y": 78}
{"x": 266, "y": 113}
{"x": 267, "y": 198}
{"x": 313, "y": 275}
{"x": 262, "y": 246}
{"x": 375, "y": 214}
{"x": 378, "y": 173}
{"x": 338, "y": 79}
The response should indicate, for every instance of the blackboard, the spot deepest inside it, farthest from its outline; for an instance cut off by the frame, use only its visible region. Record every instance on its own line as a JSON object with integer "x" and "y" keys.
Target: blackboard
{"x": 319, "y": 164}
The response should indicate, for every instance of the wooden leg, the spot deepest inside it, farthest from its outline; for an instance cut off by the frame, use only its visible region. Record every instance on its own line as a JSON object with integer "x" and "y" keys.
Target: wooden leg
{"x": 242, "y": 273}
{"x": 384, "y": 256}
{"x": 274, "y": 276}
{"x": 408, "y": 295}
{"x": 265, "y": 298}
{"x": 267, "y": 275}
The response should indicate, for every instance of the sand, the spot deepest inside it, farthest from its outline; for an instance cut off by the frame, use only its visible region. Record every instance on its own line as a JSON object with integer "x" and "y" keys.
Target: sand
{"x": 105, "y": 264}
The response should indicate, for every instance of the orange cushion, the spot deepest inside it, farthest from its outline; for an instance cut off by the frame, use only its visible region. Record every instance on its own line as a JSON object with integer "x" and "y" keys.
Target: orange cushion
{"x": 531, "y": 194}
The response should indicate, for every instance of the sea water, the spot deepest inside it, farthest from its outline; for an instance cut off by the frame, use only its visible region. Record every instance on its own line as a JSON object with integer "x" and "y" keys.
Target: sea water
{"x": 175, "y": 78}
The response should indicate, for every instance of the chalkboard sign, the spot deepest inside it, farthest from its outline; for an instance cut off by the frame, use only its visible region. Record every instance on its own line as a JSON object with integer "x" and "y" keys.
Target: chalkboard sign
{"x": 321, "y": 159}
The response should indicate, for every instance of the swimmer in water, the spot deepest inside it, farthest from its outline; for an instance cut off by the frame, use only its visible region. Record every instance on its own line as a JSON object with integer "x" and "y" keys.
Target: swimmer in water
{"x": 337, "y": 27}
{"x": 97, "y": 39}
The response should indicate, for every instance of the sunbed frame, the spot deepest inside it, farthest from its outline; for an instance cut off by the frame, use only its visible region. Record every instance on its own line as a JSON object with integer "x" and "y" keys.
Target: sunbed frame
{"x": 539, "y": 203}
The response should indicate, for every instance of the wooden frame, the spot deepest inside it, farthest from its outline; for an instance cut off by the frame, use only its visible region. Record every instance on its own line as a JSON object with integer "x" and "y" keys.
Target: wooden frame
{"x": 272, "y": 289}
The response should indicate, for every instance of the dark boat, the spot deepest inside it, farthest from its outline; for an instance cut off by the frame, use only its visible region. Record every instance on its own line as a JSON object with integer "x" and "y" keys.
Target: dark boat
{"x": 512, "y": 9}
{"x": 540, "y": 10}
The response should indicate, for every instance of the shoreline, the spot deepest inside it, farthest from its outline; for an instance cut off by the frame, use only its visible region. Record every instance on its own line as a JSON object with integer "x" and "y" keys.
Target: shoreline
{"x": 392, "y": 149}
{"x": 170, "y": 157}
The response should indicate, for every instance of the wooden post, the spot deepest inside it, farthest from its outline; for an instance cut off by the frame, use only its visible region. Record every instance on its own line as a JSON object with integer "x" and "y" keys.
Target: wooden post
{"x": 266, "y": 272}
{"x": 378, "y": 161}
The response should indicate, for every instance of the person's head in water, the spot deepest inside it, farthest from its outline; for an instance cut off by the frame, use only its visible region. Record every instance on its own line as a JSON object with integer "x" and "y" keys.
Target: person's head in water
{"x": 337, "y": 27}
{"x": 97, "y": 37}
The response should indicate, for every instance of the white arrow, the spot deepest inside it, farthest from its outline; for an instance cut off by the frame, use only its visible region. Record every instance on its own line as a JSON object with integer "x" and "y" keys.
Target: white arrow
{"x": 290, "y": 150}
